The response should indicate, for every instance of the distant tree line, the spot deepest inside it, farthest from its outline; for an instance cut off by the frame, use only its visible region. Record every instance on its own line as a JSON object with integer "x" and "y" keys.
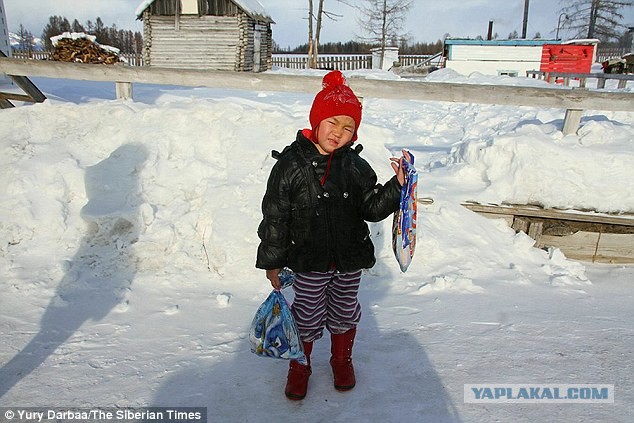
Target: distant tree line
{"x": 358, "y": 47}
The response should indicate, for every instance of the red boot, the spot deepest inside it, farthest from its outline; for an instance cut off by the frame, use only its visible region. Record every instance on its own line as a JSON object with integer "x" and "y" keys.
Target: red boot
{"x": 298, "y": 374}
{"x": 341, "y": 360}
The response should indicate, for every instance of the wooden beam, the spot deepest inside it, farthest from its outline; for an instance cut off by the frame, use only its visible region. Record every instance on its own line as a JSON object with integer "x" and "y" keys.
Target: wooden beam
{"x": 26, "y": 85}
{"x": 5, "y": 104}
{"x": 16, "y": 97}
{"x": 558, "y": 98}
{"x": 29, "y": 87}
{"x": 535, "y": 231}
{"x": 572, "y": 215}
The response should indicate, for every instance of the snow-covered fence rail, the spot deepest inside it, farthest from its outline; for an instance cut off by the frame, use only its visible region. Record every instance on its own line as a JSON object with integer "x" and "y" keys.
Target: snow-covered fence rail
{"x": 574, "y": 101}
{"x": 564, "y": 77}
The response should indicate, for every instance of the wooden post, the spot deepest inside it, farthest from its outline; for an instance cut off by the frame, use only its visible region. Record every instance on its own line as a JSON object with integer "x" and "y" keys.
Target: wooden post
{"x": 535, "y": 230}
{"x": 520, "y": 224}
{"x": 572, "y": 121}
{"x": 525, "y": 21}
{"x": 5, "y": 104}
{"x": 123, "y": 90}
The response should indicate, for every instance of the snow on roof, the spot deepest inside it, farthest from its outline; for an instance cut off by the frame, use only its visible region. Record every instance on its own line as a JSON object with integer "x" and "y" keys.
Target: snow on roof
{"x": 140, "y": 8}
{"x": 583, "y": 41}
{"x": 253, "y": 8}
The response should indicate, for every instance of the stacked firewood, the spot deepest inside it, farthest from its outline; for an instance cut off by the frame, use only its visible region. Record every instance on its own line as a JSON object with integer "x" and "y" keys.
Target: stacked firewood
{"x": 82, "y": 50}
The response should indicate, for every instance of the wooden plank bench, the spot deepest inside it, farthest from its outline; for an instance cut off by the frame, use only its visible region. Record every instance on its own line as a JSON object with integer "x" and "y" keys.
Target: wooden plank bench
{"x": 581, "y": 235}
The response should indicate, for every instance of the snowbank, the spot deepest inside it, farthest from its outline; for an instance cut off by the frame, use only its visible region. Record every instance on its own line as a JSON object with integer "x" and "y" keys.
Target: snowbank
{"x": 128, "y": 237}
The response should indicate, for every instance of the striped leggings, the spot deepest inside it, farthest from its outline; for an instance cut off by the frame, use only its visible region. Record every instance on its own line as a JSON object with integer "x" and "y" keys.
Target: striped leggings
{"x": 326, "y": 300}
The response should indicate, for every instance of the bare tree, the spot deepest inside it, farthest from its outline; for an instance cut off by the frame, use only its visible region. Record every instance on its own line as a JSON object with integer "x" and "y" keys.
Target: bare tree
{"x": 77, "y": 27}
{"x": 55, "y": 26}
{"x": 25, "y": 39}
{"x": 312, "y": 47}
{"x": 320, "y": 12}
{"x": 383, "y": 21}
{"x": 600, "y": 19}
{"x": 314, "y": 32}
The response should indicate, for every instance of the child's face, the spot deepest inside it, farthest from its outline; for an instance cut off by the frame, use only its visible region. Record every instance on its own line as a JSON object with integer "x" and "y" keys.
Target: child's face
{"x": 334, "y": 132}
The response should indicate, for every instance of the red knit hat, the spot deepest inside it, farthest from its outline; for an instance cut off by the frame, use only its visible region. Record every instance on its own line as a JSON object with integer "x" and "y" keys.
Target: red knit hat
{"x": 335, "y": 99}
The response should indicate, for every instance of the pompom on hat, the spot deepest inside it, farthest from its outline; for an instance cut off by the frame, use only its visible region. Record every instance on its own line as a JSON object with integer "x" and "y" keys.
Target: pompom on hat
{"x": 335, "y": 99}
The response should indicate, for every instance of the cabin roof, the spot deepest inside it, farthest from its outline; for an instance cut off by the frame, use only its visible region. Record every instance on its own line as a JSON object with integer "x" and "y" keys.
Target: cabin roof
{"x": 253, "y": 8}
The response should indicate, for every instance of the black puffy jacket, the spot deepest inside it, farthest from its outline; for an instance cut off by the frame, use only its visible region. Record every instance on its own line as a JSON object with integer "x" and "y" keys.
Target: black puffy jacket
{"x": 310, "y": 227}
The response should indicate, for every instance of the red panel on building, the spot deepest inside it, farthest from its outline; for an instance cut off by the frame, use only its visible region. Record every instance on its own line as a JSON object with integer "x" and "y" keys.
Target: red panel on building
{"x": 567, "y": 58}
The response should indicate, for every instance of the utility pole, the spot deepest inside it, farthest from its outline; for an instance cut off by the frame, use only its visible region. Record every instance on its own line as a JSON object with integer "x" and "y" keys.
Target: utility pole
{"x": 594, "y": 10}
{"x": 525, "y": 24}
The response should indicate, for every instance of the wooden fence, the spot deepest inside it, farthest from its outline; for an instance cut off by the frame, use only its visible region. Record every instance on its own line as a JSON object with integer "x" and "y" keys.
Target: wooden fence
{"x": 289, "y": 61}
{"x": 324, "y": 61}
{"x": 565, "y": 78}
{"x": 340, "y": 61}
{"x": 605, "y": 53}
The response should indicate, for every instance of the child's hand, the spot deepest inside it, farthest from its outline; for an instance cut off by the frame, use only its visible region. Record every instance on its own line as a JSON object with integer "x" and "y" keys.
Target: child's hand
{"x": 397, "y": 165}
{"x": 274, "y": 276}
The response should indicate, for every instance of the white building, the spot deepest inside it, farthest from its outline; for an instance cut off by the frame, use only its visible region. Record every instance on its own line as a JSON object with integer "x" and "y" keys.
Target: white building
{"x": 494, "y": 57}
{"x": 5, "y": 46}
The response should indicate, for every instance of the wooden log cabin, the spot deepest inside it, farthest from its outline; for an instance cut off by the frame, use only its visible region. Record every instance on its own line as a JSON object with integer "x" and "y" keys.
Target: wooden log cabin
{"x": 233, "y": 35}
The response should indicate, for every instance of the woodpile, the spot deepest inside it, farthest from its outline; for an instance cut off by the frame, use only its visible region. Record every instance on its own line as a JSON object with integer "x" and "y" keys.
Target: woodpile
{"x": 82, "y": 50}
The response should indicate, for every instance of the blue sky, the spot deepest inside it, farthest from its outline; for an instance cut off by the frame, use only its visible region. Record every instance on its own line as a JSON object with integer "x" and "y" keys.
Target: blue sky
{"x": 428, "y": 20}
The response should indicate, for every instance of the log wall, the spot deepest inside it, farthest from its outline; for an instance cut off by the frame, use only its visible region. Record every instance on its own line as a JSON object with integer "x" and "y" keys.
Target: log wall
{"x": 205, "y": 42}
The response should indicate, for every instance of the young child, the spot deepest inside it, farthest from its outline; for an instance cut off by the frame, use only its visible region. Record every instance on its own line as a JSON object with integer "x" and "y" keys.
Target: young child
{"x": 319, "y": 195}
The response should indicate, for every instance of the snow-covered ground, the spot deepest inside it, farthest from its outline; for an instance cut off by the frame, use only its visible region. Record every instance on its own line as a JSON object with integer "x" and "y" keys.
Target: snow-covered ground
{"x": 128, "y": 238}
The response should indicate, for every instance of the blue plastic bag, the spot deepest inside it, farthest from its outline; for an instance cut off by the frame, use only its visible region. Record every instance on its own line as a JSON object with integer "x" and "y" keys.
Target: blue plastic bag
{"x": 273, "y": 331}
{"x": 404, "y": 223}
